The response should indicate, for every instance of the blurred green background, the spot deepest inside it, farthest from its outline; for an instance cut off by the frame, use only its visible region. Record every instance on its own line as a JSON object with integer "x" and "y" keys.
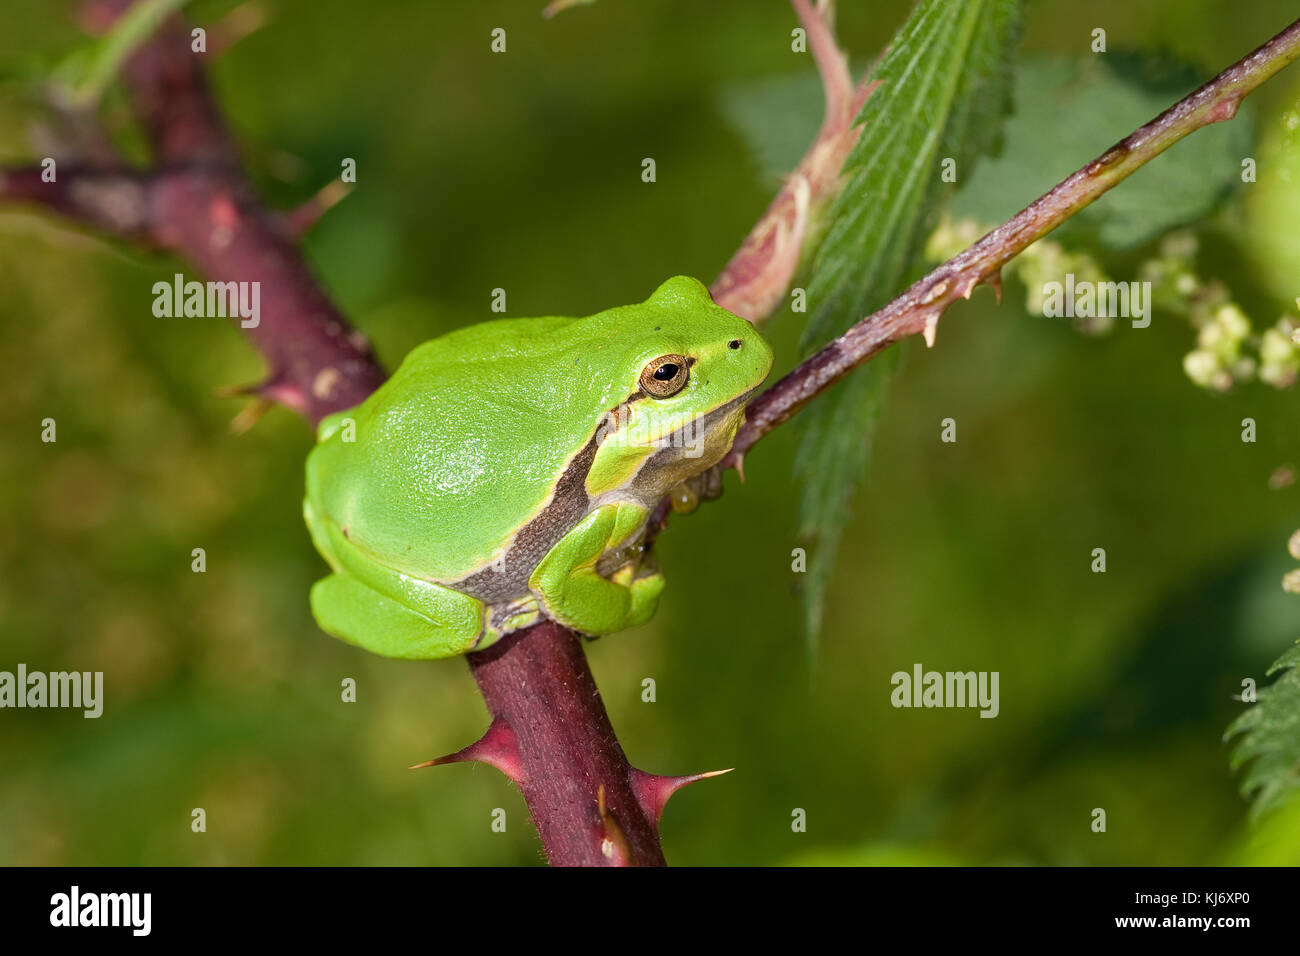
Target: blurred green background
{"x": 522, "y": 171}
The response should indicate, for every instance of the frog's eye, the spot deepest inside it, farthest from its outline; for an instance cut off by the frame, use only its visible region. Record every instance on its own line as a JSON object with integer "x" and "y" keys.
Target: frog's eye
{"x": 665, "y": 376}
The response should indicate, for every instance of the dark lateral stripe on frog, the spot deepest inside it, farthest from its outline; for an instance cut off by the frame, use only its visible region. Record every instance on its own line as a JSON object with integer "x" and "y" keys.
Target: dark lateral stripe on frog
{"x": 568, "y": 505}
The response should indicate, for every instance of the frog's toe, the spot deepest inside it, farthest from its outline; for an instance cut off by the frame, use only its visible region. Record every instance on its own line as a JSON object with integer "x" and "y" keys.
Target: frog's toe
{"x": 352, "y": 611}
{"x": 597, "y": 606}
{"x": 645, "y": 598}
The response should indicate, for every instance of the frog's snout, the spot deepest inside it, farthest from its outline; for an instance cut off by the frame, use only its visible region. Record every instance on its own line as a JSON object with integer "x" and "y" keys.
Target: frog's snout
{"x": 754, "y": 354}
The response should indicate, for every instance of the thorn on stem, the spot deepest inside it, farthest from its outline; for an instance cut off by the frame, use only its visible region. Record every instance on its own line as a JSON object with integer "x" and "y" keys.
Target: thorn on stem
{"x": 931, "y": 328}
{"x": 242, "y": 21}
{"x": 250, "y": 415}
{"x": 652, "y": 790}
{"x": 498, "y": 747}
{"x": 995, "y": 280}
{"x": 300, "y": 221}
{"x": 239, "y": 391}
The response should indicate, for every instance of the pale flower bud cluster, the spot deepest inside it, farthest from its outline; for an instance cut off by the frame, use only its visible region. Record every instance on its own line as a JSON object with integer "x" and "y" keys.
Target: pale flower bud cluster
{"x": 1229, "y": 350}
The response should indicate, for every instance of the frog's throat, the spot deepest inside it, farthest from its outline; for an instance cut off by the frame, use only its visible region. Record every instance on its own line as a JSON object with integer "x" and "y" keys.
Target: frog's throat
{"x": 693, "y": 447}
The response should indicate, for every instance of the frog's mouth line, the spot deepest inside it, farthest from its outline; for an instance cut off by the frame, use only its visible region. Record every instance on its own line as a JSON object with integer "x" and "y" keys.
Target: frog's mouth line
{"x": 703, "y": 426}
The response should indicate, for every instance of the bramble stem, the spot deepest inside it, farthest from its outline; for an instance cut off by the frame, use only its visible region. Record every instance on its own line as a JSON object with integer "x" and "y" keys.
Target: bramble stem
{"x": 568, "y": 753}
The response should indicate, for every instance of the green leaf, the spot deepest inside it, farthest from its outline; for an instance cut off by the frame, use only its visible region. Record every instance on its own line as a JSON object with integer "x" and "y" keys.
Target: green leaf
{"x": 778, "y": 116}
{"x": 835, "y": 450}
{"x": 945, "y": 84}
{"x": 1070, "y": 110}
{"x": 1269, "y": 739}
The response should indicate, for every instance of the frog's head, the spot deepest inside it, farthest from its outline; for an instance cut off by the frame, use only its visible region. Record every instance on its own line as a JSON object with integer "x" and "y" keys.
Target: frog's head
{"x": 689, "y": 367}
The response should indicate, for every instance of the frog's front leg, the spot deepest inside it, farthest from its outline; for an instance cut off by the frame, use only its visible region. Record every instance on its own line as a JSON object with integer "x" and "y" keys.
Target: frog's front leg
{"x": 573, "y": 593}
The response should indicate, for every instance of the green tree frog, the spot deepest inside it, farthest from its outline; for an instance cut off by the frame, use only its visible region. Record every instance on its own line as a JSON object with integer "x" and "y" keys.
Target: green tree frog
{"x": 507, "y": 471}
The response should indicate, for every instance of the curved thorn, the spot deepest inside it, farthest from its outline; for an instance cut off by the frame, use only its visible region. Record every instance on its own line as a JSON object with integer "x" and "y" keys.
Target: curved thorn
{"x": 248, "y": 390}
{"x": 242, "y": 21}
{"x": 931, "y": 327}
{"x": 995, "y": 280}
{"x": 299, "y": 222}
{"x": 498, "y": 747}
{"x": 250, "y": 415}
{"x": 652, "y": 790}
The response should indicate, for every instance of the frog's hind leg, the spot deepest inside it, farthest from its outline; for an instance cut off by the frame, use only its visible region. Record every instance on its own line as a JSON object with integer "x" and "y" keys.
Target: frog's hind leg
{"x": 390, "y": 613}
{"x": 358, "y": 614}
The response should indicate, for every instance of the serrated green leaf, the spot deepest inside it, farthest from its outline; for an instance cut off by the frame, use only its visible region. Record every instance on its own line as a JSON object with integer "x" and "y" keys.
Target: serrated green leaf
{"x": 944, "y": 87}
{"x": 1070, "y": 109}
{"x": 1290, "y": 659}
{"x": 841, "y": 433}
{"x": 1268, "y": 739}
